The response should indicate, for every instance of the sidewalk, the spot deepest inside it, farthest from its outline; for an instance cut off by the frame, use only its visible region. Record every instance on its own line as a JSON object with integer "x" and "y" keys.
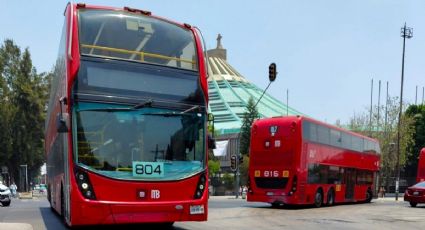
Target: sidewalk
{"x": 25, "y": 195}
{"x": 391, "y": 197}
{"x": 15, "y": 226}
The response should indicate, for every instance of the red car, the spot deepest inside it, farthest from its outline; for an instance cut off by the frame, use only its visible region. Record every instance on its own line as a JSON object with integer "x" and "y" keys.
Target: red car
{"x": 415, "y": 194}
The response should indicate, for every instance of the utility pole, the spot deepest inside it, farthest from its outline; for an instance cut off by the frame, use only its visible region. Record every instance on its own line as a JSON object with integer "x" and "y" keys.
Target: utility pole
{"x": 386, "y": 114}
{"x": 370, "y": 112}
{"x": 416, "y": 96}
{"x": 26, "y": 177}
{"x": 379, "y": 106}
{"x": 406, "y": 32}
{"x": 287, "y": 102}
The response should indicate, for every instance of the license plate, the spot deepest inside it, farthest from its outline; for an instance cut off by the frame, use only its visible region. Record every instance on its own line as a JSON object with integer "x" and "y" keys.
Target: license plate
{"x": 415, "y": 193}
{"x": 197, "y": 209}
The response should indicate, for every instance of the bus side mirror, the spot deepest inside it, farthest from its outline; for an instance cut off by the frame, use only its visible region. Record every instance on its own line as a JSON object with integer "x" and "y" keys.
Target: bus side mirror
{"x": 211, "y": 142}
{"x": 62, "y": 119}
{"x": 62, "y": 122}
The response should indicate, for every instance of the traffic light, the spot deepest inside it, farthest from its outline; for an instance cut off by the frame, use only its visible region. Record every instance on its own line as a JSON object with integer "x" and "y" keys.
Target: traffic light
{"x": 272, "y": 72}
{"x": 233, "y": 163}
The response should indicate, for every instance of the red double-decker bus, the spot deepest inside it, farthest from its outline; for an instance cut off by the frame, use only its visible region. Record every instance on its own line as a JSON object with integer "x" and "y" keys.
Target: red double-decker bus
{"x": 297, "y": 160}
{"x": 421, "y": 167}
{"x": 126, "y": 131}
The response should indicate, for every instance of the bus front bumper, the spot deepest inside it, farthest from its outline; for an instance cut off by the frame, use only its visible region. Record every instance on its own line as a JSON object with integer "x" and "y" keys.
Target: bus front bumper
{"x": 129, "y": 213}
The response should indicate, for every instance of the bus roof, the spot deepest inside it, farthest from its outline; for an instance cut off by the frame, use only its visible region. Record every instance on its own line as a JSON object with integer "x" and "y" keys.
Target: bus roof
{"x": 302, "y": 118}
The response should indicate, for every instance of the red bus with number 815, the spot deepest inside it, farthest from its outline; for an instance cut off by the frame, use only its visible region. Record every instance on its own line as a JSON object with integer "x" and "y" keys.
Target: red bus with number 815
{"x": 297, "y": 160}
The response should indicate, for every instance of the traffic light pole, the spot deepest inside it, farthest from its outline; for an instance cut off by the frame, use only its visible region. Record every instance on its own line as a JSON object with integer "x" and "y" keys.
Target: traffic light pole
{"x": 272, "y": 77}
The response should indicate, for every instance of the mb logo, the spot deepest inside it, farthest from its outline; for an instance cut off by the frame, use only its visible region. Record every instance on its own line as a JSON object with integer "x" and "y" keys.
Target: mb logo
{"x": 155, "y": 194}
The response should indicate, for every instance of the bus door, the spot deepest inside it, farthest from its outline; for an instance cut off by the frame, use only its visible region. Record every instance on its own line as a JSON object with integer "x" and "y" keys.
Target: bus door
{"x": 350, "y": 182}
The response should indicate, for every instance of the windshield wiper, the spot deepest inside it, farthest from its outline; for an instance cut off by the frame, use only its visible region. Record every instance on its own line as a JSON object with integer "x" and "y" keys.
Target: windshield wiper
{"x": 119, "y": 109}
{"x": 109, "y": 109}
{"x": 167, "y": 114}
{"x": 176, "y": 114}
{"x": 193, "y": 108}
{"x": 147, "y": 103}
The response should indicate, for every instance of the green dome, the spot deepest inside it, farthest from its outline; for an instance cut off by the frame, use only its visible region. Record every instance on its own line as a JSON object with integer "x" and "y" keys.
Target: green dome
{"x": 229, "y": 93}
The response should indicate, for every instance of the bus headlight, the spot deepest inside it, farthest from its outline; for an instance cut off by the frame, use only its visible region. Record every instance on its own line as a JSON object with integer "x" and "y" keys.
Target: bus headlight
{"x": 200, "y": 186}
{"x": 84, "y": 184}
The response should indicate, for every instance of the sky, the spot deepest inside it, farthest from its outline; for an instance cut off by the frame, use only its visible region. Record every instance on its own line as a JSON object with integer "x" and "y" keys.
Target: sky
{"x": 326, "y": 51}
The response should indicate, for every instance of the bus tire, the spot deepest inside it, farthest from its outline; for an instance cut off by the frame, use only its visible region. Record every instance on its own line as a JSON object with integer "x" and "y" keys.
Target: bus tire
{"x": 318, "y": 198}
{"x": 368, "y": 196}
{"x": 331, "y": 197}
{"x": 276, "y": 204}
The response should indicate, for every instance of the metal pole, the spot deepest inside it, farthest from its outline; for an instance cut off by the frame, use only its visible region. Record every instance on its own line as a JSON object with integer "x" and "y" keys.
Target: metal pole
{"x": 423, "y": 89}
{"x": 370, "y": 112}
{"x": 287, "y": 102}
{"x": 237, "y": 185}
{"x": 406, "y": 32}
{"x": 386, "y": 113}
{"x": 26, "y": 178}
{"x": 379, "y": 107}
{"x": 416, "y": 96}
{"x": 238, "y": 154}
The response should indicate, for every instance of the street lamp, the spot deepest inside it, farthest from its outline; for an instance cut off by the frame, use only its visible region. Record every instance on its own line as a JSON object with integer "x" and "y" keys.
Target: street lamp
{"x": 26, "y": 177}
{"x": 406, "y": 32}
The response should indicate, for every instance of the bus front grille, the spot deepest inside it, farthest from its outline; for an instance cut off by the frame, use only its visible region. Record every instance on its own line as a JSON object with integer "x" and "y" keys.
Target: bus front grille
{"x": 269, "y": 182}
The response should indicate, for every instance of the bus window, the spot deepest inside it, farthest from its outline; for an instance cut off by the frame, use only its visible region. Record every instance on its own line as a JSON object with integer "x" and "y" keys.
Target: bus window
{"x": 335, "y": 138}
{"x": 323, "y": 135}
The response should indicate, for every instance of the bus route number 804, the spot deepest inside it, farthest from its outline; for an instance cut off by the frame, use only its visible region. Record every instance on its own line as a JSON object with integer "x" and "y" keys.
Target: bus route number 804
{"x": 148, "y": 169}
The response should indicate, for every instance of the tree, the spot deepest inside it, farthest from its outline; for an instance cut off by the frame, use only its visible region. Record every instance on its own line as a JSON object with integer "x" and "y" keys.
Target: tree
{"x": 243, "y": 168}
{"x": 417, "y": 113}
{"x": 250, "y": 115}
{"x": 23, "y": 96}
{"x": 384, "y": 128}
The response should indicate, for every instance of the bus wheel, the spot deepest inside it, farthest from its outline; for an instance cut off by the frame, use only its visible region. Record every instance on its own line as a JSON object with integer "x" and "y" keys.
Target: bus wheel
{"x": 331, "y": 197}
{"x": 369, "y": 196}
{"x": 276, "y": 204}
{"x": 413, "y": 204}
{"x": 318, "y": 198}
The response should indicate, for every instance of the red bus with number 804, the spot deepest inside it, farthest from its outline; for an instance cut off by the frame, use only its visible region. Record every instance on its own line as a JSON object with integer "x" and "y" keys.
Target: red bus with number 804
{"x": 126, "y": 130}
{"x": 296, "y": 160}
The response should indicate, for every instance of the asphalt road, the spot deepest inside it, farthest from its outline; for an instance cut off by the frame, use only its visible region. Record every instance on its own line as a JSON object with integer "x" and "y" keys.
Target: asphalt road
{"x": 231, "y": 213}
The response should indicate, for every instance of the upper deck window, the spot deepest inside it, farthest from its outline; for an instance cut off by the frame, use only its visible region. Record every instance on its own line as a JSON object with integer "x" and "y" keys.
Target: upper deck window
{"x": 324, "y": 135}
{"x": 135, "y": 37}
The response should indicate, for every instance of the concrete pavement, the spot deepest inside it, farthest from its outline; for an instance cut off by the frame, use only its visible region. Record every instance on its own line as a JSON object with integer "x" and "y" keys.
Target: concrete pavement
{"x": 15, "y": 226}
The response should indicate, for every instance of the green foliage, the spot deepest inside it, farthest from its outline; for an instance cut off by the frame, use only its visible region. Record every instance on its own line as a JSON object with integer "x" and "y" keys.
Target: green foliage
{"x": 23, "y": 96}
{"x": 384, "y": 128}
{"x": 417, "y": 114}
{"x": 250, "y": 115}
{"x": 213, "y": 167}
{"x": 243, "y": 169}
{"x": 228, "y": 181}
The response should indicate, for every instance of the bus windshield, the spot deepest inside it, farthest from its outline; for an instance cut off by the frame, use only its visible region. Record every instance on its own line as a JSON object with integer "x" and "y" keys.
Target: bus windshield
{"x": 135, "y": 37}
{"x": 111, "y": 139}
